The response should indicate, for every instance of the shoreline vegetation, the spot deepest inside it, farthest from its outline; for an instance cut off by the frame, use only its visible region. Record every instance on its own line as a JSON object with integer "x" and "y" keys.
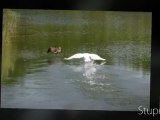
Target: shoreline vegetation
{"x": 10, "y": 22}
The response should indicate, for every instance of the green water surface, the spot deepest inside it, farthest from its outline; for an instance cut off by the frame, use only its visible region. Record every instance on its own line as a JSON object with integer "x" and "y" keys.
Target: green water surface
{"x": 31, "y": 78}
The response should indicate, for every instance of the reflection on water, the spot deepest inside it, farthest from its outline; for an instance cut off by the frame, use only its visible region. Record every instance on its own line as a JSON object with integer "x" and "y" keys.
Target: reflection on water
{"x": 31, "y": 78}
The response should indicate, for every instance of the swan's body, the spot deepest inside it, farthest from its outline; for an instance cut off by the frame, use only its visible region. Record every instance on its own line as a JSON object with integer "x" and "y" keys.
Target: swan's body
{"x": 86, "y": 56}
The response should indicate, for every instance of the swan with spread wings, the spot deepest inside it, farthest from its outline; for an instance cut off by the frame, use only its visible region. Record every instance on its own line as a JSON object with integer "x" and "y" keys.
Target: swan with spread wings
{"x": 86, "y": 56}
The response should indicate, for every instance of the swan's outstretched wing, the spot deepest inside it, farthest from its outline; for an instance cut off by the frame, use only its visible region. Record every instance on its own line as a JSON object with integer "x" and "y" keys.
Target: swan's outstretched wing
{"x": 96, "y": 57}
{"x": 78, "y": 55}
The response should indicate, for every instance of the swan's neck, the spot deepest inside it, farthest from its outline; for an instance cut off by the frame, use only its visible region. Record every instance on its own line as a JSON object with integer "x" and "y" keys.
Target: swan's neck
{"x": 88, "y": 59}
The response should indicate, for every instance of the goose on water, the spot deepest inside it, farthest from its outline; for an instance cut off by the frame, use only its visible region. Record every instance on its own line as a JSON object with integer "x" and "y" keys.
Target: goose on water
{"x": 54, "y": 49}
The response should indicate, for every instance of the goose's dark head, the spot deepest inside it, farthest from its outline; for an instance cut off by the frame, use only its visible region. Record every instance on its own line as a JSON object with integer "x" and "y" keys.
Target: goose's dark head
{"x": 49, "y": 49}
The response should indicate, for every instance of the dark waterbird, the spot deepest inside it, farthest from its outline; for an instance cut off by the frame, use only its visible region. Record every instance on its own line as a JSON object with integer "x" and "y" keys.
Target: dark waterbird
{"x": 54, "y": 49}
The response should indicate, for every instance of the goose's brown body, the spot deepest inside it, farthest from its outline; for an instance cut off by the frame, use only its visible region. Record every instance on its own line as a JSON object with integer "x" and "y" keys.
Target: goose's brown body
{"x": 54, "y": 50}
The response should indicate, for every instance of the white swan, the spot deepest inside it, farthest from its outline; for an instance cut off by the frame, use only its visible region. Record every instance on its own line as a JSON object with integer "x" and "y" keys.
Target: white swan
{"x": 86, "y": 56}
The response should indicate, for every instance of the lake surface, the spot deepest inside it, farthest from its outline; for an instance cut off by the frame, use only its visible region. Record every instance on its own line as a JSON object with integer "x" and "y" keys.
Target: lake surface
{"x": 31, "y": 78}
